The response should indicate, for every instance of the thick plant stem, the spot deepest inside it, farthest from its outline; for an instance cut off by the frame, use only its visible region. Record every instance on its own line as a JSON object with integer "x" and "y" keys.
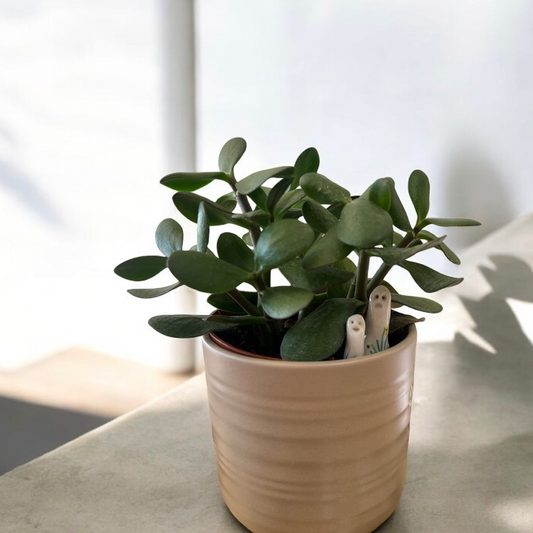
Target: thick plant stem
{"x": 351, "y": 290}
{"x": 361, "y": 277}
{"x": 384, "y": 269}
{"x": 245, "y": 206}
{"x": 243, "y": 302}
{"x": 274, "y": 339}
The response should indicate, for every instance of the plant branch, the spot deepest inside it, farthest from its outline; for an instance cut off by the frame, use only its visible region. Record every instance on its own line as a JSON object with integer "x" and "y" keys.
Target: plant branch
{"x": 351, "y": 290}
{"x": 273, "y": 337}
{"x": 361, "y": 277}
{"x": 245, "y": 206}
{"x": 384, "y": 269}
{"x": 243, "y": 302}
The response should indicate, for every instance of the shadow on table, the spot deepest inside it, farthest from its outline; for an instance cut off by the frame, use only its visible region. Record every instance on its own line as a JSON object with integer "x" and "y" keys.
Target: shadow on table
{"x": 29, "y": 430}
{"x": 459, "y": 486}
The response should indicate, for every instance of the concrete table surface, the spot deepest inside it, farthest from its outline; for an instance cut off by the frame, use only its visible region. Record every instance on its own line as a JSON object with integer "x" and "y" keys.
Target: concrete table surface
{"x": 470, "y": 466}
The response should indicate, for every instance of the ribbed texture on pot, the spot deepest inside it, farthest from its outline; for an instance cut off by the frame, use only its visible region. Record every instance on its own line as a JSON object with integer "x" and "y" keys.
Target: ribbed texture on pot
{"x": 311, "y": 447}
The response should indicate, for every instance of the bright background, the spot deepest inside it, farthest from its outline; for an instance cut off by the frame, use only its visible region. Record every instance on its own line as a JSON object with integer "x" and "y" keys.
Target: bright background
{"x": 95, "y": 108}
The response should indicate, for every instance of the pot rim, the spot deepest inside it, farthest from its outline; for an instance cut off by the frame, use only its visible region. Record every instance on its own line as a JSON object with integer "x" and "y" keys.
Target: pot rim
{"x": 208, "y": 340}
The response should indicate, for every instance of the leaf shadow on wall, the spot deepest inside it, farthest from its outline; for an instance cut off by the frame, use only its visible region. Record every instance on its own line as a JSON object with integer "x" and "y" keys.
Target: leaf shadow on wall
{"x": 475, "y": 188}
{"x": 28, "y": 194}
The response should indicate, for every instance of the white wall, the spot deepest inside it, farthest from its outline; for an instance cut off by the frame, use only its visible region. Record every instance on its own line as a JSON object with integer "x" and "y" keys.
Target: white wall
{"x": 380, "y": 87}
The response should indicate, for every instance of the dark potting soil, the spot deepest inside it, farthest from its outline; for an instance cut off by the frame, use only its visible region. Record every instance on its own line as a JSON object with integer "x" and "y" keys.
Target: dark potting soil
{"x": 245, "y": 338}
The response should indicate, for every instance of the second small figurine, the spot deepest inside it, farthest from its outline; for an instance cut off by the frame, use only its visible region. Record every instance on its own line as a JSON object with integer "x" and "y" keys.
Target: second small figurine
{"x": 355, "y": 337}
{"x": 377, "y": 320}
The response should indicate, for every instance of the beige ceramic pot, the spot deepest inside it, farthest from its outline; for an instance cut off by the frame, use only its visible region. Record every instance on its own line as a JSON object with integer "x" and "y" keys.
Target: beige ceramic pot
{"x": 311, "y": 447}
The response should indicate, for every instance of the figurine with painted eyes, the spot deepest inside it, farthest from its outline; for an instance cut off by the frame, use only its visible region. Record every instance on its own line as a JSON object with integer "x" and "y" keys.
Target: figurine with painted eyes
{"x": 355, "y": 337}
{"x": 377, "y": 321}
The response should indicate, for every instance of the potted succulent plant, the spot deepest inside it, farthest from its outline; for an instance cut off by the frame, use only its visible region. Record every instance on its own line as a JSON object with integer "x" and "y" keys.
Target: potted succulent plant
{"x": 310, "y": 434}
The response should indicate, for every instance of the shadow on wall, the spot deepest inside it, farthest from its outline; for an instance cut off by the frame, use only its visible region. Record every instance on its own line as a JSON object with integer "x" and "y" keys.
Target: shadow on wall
{"x": 474, "y": 187}
{"x": 485, "y": 398}
{"x": 28, "y": 194}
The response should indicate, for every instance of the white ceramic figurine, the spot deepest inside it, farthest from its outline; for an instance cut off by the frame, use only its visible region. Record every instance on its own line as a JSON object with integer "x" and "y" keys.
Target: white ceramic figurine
{"x": 377, "y": 321}
{"x": 355, "y": 337}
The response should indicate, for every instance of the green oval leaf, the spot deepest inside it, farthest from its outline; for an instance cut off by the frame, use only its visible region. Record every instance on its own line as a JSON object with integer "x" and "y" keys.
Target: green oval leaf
{"x": 336, "y": 209}
{"x": 341, "y": 291}
{"x": 194, "y": 248}
{"x": 228, "y": 201}
{"x": 253, "y": 181}
{"x": 234, "y": 250}
{"x": 397, "y": 238}
{"x": 389, "y": 241}
{"x": 239, "y": 320}
{"x": 293, "y": 214}
{"x": 397, "y": 210}
{"x": 283, "y": 302}
{"x": 202, "y": 229}
{"x": 230, "y": 154}
{"x": 323, "y": 190}
{"x": 206, "y": 273}
{"x": 287, "y": 201}
{"x": 318, "y": 217}
{"x": 191, "y": 181}
{"x": 259, "y": 196}
{"x": 418, "y": 186}
{"x": 248, "y": 240}
{"x": 154, "y": 293}
{"x": 363, "y": 224}
{"x": 169, "y": 236}
{"x": 318, "y": 280}
{"x": 281, "y": 242}
{"x": 308, "y": 161}
{"x": 451, "y": 222}
{"x": 394, "y": 255}
{"x": 320, "y": 334}
{"x": 326, "y": 250}
{"x": 446, "y": 250}
{"x": 427, "y": 279}
{"x": 186, "y": 326}
{"x": 188, "y": 204}
{"x": 224, "y": 302}
{"x": 415, "y": 302}
{"x": 141, "y": 268}
{"x": 399, "y": 321}
{"x": 277, "y": 192}
{"x": 252, "y": 217}
{"x": 379, "y": 193}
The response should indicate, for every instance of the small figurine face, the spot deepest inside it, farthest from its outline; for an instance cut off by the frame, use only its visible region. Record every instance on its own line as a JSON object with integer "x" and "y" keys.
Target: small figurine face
{"x": 380, "y": 298}
{"x": 355, "y": 337}
{"x": 356, "y": 323}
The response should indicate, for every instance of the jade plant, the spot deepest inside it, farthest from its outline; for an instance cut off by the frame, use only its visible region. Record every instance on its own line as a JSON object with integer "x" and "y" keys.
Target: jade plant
{"x": 310, "y": 229}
